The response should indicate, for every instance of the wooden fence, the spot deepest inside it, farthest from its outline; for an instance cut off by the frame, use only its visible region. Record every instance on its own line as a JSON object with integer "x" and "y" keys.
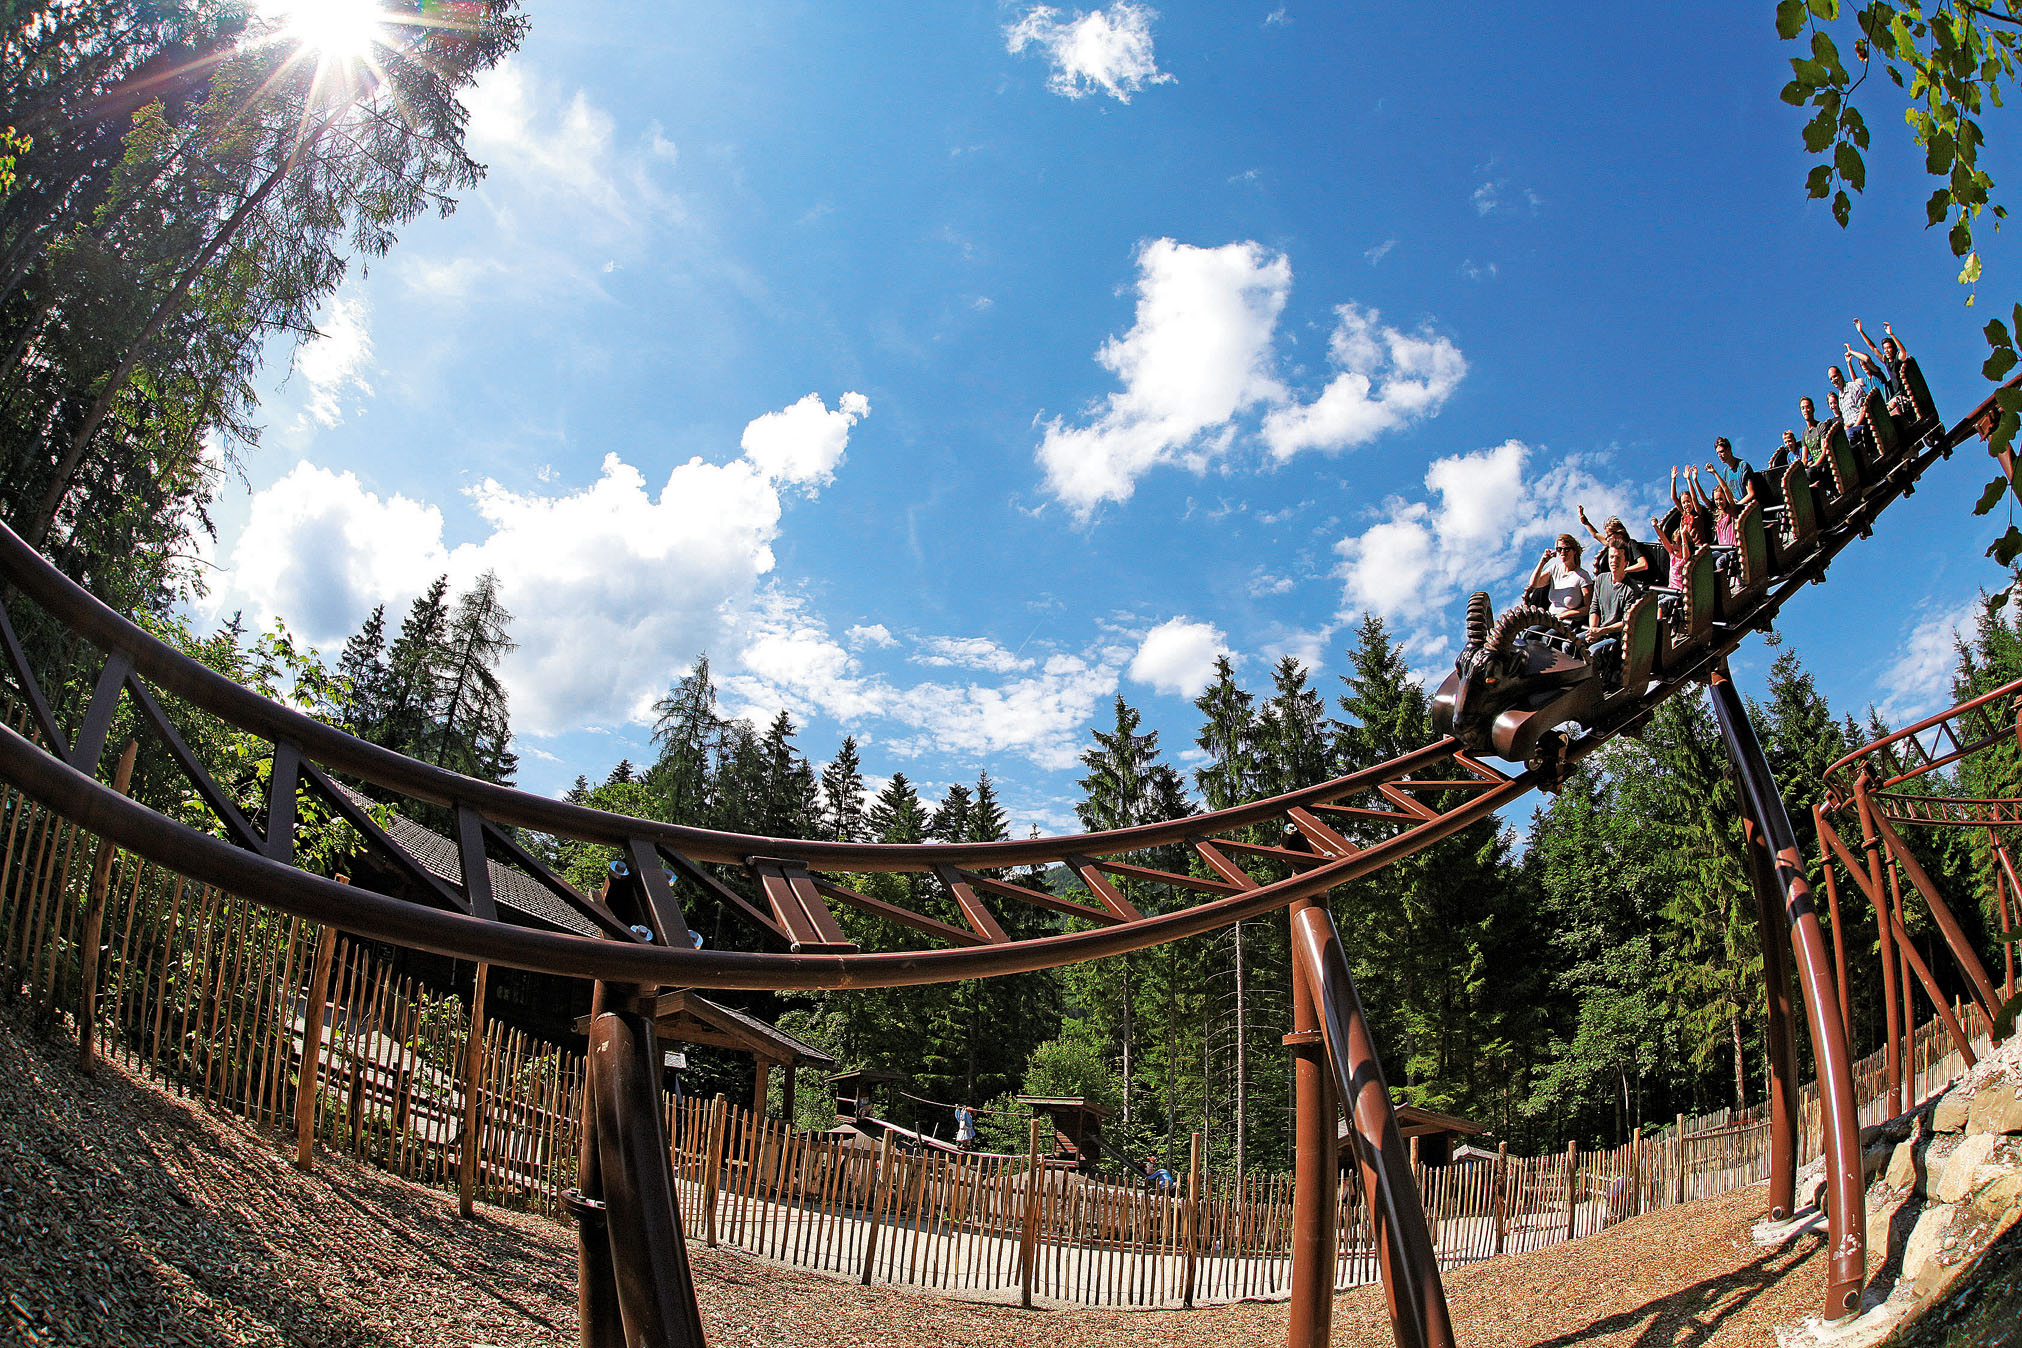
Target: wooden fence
{"x": 210, "y": 994}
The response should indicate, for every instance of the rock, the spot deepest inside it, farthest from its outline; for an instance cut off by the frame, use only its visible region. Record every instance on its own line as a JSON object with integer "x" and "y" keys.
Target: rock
{"x": 1958, "y": 1178}
{"x": 1926, "y": 1238}
{"x": 1902, "y": 1170}
{"x": 1999, "y": 1201}
{"x": 1949, "y": 1115}
{"x": 1996, "y": 1109}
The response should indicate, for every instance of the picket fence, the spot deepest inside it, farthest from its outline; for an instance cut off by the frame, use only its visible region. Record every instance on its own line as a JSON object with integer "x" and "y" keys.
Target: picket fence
{"x": 210, "y": 994}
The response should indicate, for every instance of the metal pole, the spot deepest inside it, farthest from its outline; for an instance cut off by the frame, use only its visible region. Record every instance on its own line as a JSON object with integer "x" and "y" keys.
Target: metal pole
{"x": 2011, "y": 912}
{"x": 1315, "y": 1159}
{"x": 1846, "y": 1195}
{"x": 649, "y": 1257}
{"x": 1955, "y": 936}
{"x": 1781, "y": 1048}
{"x": 600, "y": 1323}
{"x": 1825, "y": 867}
{"x": 1419, "y": 1316}
{"x": 1891, "y": 1000}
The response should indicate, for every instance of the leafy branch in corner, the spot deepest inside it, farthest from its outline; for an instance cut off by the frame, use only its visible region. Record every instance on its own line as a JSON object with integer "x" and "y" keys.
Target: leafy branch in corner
{"x": 1951, "y": 60}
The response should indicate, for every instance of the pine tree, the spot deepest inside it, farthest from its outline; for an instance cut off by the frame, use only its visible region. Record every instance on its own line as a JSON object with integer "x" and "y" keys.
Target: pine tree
{"x": 950, "y": 821}
{"x": 689, "y": 732}
{"x": 475, "y": 728}
{"x": 414, "y": 673}
{"x": 842, "y": 795}
{"x": 363, "y": 668}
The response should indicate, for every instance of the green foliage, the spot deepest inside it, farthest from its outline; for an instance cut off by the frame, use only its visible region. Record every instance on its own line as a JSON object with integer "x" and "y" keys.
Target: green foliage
{"x": 1072, "y": 1065}
{"x": 1951, "y": 62}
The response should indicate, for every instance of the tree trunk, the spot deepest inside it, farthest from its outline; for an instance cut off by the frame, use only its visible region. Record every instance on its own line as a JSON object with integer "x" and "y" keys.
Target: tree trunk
{"x": 44, "y": 519}
{"x": 1740, "y": 1065}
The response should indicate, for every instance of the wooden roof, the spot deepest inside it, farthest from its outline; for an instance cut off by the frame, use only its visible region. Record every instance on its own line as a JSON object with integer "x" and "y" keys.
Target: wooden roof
{"x": 1415, "y": 1122}
{"x": 684, "y": 1016}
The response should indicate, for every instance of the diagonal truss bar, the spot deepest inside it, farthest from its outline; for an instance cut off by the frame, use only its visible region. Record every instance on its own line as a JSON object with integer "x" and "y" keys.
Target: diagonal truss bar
{"x": 38, "y": 705}
{"x": 379, "y": 838}
{"x": 91, "y": 735}
{"x": 193, "y": 770}
{"x": 905, "y": 917}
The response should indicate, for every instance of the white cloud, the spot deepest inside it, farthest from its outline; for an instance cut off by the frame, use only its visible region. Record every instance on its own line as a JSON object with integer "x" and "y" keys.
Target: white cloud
{"x": 789, "y": 661}
{"x": 1486, "y": 518}
{"x": 1920, "y": 680}
{"x": 876, "y": 634}
{"x": 1388, "y": 379}
{"x": 804, "y": 443}
{"x": 1277, "y": 17}
{"x": 1379, "y": 252}
{"x": 1178, "y": 656}
{"x": 969, "y": 653}
{"x": 334, "y": 362}
{"x": 611, "y": 585}
{"x": 1199, "y": 352}
{"x": 1488, "y": 197}
{"x": 319, "y": 550}
{"x": 1108, "y": 51}
{"x": 1479, "y": 271}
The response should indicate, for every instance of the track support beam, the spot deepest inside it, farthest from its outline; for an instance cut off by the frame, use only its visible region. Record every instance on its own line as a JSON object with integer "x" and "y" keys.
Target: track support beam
{"x": 1404, "y": 1252}
{"x": 1845, "y": 1191}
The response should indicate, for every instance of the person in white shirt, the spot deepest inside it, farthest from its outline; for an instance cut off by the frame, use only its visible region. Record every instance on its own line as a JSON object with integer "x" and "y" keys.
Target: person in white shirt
{"x": 1569, "y": 587}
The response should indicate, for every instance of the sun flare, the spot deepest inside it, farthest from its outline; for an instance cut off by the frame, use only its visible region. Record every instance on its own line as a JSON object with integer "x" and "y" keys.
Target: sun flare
{"x": 346, "y": 30}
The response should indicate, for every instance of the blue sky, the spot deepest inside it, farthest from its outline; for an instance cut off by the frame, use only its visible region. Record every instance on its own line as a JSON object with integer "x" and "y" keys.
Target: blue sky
{"x": 943, "y": 371}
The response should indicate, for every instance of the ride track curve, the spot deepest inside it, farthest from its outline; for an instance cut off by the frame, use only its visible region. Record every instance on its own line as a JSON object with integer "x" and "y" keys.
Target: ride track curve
{"x": 1330, "y": 834}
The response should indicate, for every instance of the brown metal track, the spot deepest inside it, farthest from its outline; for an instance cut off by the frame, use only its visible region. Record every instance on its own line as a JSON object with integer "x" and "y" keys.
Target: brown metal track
{"x": 1354, "y": 826}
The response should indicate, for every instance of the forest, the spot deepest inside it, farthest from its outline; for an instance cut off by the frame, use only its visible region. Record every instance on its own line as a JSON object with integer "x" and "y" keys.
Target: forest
{"x": 176, "y": 204}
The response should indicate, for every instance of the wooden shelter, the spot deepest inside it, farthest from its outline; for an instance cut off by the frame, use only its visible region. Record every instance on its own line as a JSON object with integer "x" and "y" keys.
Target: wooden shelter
{"x": 853, "y": 1092}
{"x": 1430, "y": 1134}
{"x": 1077, "y": 1127}
{"x": 684, "y": 1016}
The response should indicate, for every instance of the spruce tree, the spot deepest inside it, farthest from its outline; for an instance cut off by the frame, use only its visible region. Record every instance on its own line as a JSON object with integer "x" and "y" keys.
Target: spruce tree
{"x": 842, "y": 795}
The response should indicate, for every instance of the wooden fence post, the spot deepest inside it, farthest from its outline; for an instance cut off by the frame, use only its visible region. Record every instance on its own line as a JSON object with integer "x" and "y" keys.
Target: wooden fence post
{"x": 1028, "y": 1241}
{"x": 1501, "y": 1197}
{"x": 712, "y": 1166}
{"x": 94, "y": 923}
{"x": 1636, "y": 1172}
{"x": 1193, "y": 1211}
{"x": 312, "y": 1049}
{"x": 473, "y": 1098}
{"x": 1572, "y": 1188}
{"x": 1681, "y": 1158}
{"x": 879, "y": 1187}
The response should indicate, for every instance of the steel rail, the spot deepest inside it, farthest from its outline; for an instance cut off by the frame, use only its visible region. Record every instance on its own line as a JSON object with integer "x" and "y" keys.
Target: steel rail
{"x": 785, "y": 869}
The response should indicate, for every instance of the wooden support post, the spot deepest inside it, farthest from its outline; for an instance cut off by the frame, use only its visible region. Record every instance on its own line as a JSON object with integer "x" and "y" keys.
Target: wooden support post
{"x": 94, "y": 923}
{"x": 787, "y": 1084}
{"x": 1028, "y": 1235}
{"x": 879, "y": 1188}
{"x": 1572, "y": 1189}
{"x": 1681, "y": 1158}
{"x": 712, "y": 1165}
{"x": 1501, "y": 1196}
{"x": 1193, "y": 1219}
{"x": 473, "y": 1099}
{"x": 761, "y": 1075}
{"x": 312, "y": 1049}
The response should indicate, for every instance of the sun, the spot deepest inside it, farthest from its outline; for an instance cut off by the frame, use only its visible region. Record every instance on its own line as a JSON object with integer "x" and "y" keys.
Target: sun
{"x": 344, "y": 30}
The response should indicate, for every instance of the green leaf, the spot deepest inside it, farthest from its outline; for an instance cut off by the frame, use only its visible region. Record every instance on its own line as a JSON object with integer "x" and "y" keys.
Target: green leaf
{"x": 1991, "y": 496}
{"x": 1824, "y": 9}
{"x": 1793, "y": 94}
{"x": 1997, "y": 333}
{"x": 1938, "y": 207}
{"x": 2010, "y": 937}
{"x": 2007, "y": 547}
{"x": 1818, "y": 133}
{"x": 1999, "y": 364}
{"x": 1789, "y": 18}
{"x": 1819, "y": 181}
{"x": 1970, "y": 273}
{"x": 1848, "y": 161}
{"x": 1822, "y": 49}
{"x": 2004, "y": 1020}
{"x": 1809, "y": 73}
{"x": 1938, "y": 154}
{"x": 1962, "y": 239}
{"x": 1842, "y": 209}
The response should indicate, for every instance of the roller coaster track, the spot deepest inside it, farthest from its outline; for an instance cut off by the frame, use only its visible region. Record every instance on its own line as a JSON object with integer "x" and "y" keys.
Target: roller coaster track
{"x": 1242, "y": 863}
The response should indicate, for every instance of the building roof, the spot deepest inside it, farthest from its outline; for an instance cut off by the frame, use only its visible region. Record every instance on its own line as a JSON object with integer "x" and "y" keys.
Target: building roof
{"x": 1415, "y": 1122}
{"x": 1065, "y": 1103}
{"x": 510, "y": 888}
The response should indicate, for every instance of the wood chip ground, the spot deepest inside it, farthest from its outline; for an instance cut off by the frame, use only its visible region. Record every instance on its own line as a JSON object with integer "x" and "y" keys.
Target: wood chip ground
{"x": 130, "y": 1216}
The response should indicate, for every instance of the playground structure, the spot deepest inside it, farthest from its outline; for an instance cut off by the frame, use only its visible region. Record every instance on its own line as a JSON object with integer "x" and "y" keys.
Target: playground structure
{"x": 1521, "y": 693}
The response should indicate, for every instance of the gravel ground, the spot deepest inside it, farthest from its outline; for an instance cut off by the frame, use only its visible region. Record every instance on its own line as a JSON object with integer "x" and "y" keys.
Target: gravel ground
{"x": 129, "y": 1216}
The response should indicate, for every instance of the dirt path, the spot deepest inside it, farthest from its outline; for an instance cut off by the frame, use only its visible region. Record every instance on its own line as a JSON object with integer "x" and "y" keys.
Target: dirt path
{"x": 129, "y": 1216}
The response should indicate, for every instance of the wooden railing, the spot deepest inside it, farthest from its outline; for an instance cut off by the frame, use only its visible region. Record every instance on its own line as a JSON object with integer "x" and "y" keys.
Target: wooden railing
{"x": 209, "y": 993}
